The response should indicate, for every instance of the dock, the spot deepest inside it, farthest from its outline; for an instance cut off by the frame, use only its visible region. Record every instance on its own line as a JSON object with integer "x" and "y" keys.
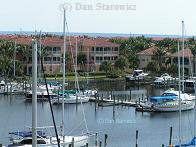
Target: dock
{"x": 106, "y": 102}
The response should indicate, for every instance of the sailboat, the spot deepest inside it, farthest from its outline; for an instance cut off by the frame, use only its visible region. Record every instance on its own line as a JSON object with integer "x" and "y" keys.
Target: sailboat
{"x": 70, "y": 96}
{"x": 192, "y": 142}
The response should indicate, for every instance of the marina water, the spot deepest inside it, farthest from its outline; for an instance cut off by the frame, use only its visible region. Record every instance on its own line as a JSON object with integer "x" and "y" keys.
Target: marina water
{"x": 120, "y": 126}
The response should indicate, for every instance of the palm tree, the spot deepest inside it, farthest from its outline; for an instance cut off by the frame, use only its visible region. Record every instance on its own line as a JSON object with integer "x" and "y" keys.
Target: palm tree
{"x": 106, "y": 66}
{"x": 159, "y": 55}
{"x": 167, "y": 43}
{"x": 23, "y": 54}
{"x": 121, "y": 63}
{"x": 6, "y": 57}
{"x": 81, "y": 59}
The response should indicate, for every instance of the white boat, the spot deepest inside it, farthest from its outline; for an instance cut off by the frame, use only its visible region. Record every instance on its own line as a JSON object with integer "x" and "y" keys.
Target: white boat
{"x": 184, "y": 96}
{"x": 41, "y": 93}
{"x": 163, "y": 79}
{"x": 169, "y": 101}
{"x": 71, "y": 99}
{"x": 25, "y": 139}
{"x": 89, "y": 93}
{"x": 172, "y": 106}
{"x": 13, "y": 88}
{"x": 2, "y": 87}
{"x": 137, "y": 75}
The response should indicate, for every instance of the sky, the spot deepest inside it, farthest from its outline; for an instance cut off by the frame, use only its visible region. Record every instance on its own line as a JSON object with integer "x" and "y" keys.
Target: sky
{"x": 149, "y": 17}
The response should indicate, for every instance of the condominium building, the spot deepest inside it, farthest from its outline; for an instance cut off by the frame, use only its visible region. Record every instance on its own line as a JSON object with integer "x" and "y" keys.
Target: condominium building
{"x": 96, "y": 50}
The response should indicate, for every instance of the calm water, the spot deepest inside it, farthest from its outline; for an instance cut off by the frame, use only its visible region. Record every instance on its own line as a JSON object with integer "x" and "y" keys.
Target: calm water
{"x": 153, "y": 127}
{"x": 95, "y": 34}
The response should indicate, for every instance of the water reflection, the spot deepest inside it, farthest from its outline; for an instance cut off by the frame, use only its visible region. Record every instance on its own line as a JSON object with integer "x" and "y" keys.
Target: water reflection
{"x": 119, "y": 122}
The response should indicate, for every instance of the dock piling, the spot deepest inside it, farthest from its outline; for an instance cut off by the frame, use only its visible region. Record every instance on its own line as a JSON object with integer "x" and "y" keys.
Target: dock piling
{"x": 72, "y": 142}
{"x": 136, "y": 144}
{"x": 96, "y": 139}
{"x": 106, "y": 137}
{"x": 100, "y": 144}
{"x": 170, "y": 136}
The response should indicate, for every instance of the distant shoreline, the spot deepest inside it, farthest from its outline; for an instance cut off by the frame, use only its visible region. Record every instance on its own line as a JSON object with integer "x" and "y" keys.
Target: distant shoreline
{"x": 108, "y": 35}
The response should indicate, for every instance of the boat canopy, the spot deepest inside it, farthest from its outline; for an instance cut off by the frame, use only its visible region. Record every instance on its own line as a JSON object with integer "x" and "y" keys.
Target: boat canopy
{"x": 52, "y": 83}
{"x": 162, "y": 98}
{"x": 28, "y": 133}
{"x": 191, "y": 143}
{"x": 60, "y": 92}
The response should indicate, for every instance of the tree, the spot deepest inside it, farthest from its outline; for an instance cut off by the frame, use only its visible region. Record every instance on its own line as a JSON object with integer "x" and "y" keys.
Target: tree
{"x": 133, "y": 61}
{"x": 159, "y": 55}
{"x": 153, "y": 67}
{"x": 173, "y": 69}
{"x": 129, "y": 48}
{"x": 106, "y": 66}
{"x": 167, "y": 43}
{"x": 23, "y": 53}
{"x": 6, "y": 57}
{"x": 81, "y": 59}
{"x": 121, "y": 63}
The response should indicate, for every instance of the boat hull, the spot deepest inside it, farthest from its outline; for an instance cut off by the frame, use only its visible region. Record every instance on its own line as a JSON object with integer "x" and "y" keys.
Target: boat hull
{"x": 70, "y": 100}
{"x": 174, "y": 108}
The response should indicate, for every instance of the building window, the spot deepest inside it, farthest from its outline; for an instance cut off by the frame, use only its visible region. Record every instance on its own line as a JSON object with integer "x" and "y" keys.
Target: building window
{"x": 93, "y": 48}
{"x": 116, "y": 49}
{"x": 58, "y": 59}
{"x": 115, "y": 57}
{"x": 99, "y": 48}
{"x": 143, "y": 60}
{"x": 107, "y": 49}
{"x": 106, "y": 58}
{"x": 54, "y": 58}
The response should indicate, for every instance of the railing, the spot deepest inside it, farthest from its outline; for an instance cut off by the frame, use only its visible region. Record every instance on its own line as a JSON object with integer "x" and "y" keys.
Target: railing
{"x": 105, "y": 52}
{"x": 53, "y": 62}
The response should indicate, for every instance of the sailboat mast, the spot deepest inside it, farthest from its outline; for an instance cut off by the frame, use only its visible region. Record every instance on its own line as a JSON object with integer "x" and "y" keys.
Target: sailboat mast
{"x": 179, "y": 98}
{"x": 34, "y": 94}
{"x": 76, "y": 62}
{"x": 15, "y": 58}
{"x": 64, "y": 51}
{"x": 88, "y": 54}
{"x": 183, "y": 56}
{"x": 76, "y": 67}
{"x": 40, "y": 50}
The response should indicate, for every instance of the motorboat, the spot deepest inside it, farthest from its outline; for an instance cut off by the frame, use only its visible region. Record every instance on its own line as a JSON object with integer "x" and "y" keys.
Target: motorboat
{"x": 137, "y": 75}
{"x": 13, "y": 88}
{"x": 2, "y": 87}
{"x": 42, "y": 93}
{"x": 163, "y": 79}
{"x": 183, "y": 95}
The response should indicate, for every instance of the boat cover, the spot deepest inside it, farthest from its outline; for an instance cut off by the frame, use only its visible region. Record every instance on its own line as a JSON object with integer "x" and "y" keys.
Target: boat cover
{"x": 191, "y": 143}
{"x": 162, "y": 98}
{"x": 27, "y": 133}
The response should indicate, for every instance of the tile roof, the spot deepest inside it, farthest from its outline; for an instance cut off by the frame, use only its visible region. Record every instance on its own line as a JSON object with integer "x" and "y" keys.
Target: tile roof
{"x": 148, "y": 51}
{"x": 187, "y": 53}
{"x": 58, "y": 42}
{"x": 99, "y": 42}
